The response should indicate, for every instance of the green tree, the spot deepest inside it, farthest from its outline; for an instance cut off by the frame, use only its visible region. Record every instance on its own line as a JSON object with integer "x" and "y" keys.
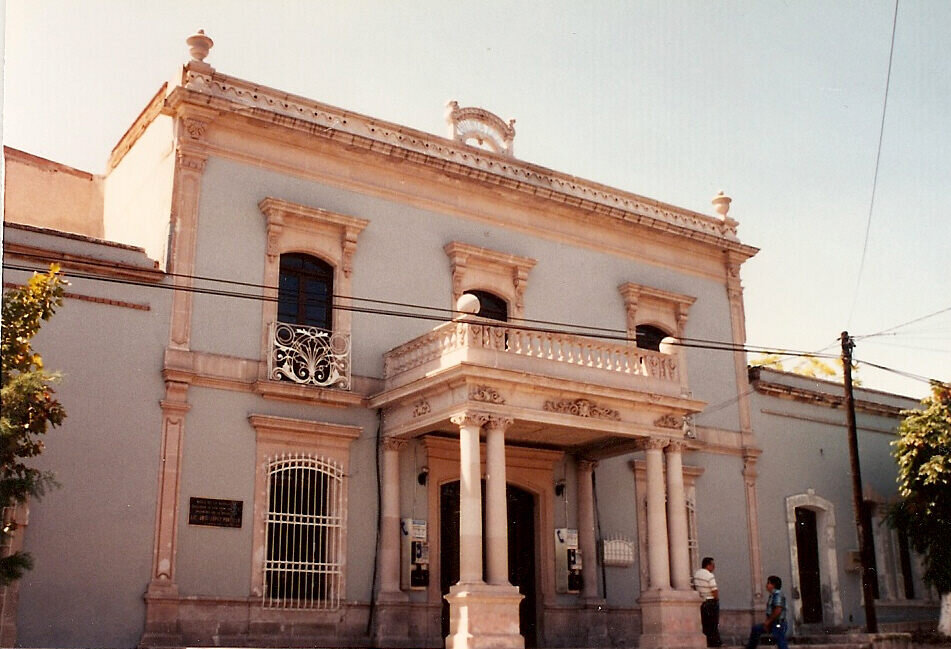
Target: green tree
{"x": 807, "y": 365}
{"x": 29, "y": 407}
{"x": 923, "y": 452}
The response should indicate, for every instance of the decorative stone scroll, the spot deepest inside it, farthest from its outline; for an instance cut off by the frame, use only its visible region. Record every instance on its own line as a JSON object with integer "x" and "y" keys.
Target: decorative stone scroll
{"x": 582, "y": 408}
{"x": 668, "y": 421}
{"x": 485, "y": 393}
{"x": 478, "y": 124}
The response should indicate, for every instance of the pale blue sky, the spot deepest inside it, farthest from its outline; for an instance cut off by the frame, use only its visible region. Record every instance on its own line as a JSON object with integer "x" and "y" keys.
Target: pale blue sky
{"x": 776, "y": 102}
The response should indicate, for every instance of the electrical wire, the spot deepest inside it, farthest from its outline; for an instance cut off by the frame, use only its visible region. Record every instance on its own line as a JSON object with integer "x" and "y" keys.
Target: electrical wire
{"x": 568, "y": 327}
{"x": 910, "y": 375}
{"x": 689, "y": 343}
{"x": 884, "y": 332}
{"x": 878, "y": 157}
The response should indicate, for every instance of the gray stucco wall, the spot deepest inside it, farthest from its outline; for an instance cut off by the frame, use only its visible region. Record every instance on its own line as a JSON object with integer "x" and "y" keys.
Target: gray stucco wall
{"x": 219, "y": 462}
{"x": 400, "y": 257}
{"x": 802, "y": 450}
{"x": 91, "y": 538}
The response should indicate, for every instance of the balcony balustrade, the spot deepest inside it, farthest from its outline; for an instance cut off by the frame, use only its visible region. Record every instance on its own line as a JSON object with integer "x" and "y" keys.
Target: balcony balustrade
{"x": 554, "y": 354}
{"x": 308, "y": 356}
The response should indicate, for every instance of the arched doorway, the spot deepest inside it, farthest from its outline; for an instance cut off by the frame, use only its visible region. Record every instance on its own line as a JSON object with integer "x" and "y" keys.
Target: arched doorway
{"x": 523, "y": 571}
{"x": 813, "y": 561}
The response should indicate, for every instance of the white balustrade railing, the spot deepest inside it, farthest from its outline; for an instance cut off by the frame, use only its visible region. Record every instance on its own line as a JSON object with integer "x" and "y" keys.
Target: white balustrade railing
{"x": 308, "y": 355}
{"x": 558, "y": 347}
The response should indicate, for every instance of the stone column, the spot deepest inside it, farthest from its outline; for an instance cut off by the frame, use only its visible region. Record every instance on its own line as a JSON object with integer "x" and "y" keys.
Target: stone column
{"x": 658, "y": 557}
{"x": 470, "y": 497}
{"x": 669, "y": 617}
{"x": 496, "y": 503}
{"x": 390, "y": 534}
{"x": 586, "y": 539}
{"x": 677, "y": 517}
{"x": 481, "y": 615}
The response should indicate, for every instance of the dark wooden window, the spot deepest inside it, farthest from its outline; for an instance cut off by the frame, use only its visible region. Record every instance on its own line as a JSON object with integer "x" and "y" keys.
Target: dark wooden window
{"x": 649, "y": 337}
{"x": 491, "y": 306}
{"x": 305, "y": 294}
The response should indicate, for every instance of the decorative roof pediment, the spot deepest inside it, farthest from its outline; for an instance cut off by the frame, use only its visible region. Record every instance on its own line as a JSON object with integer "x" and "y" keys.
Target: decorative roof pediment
{"x": 487, "y": 129}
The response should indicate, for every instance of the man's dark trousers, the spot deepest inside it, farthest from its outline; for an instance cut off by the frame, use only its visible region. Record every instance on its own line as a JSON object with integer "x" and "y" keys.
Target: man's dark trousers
{"x": 710, "y": 621}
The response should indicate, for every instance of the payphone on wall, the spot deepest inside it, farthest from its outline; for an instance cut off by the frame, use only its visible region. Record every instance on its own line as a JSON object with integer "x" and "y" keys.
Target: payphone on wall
{"x": 567, "y": 561}
{"x": 414, "y": 543}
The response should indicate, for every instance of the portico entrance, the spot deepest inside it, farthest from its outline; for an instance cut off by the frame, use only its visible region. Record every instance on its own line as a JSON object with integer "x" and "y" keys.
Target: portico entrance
{"x": 522, "y": 522}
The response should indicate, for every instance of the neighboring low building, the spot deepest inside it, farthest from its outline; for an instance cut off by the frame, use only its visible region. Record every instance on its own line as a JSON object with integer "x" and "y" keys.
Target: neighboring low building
{"x": 277, "y": 424}
{"x": 807, "y": 516}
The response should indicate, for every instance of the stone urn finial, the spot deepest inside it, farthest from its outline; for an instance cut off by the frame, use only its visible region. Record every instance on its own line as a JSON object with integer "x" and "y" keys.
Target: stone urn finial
{"x": 199, "y": 45}
{"x": 721, "y": 204}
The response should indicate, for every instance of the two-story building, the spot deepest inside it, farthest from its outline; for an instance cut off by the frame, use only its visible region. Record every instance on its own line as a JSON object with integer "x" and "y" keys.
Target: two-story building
{"x": 332, "y": 380}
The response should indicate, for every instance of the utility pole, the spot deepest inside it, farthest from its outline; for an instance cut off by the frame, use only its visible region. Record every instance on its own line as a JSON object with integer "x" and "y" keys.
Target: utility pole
{"x": 862, "y": 520}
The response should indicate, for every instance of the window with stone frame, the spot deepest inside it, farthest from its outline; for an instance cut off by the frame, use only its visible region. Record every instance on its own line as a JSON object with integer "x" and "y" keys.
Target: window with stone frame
{"x": 305, "y": 339}
{"x": 303, "y": 565}
{"x": 299, "y": 533}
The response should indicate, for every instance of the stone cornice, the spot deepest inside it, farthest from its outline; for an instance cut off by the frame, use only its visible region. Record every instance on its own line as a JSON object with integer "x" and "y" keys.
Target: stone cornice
{"x": 825, "y": 399}
{"x": 152, "y": 110}
{"x": 229, "y": 94}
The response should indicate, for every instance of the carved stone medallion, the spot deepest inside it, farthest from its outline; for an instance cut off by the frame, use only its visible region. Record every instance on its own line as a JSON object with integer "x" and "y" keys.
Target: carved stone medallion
{"x": 668, "y": 421}
{"x": 485, "y": 393}
{"x": 582, "y": 408}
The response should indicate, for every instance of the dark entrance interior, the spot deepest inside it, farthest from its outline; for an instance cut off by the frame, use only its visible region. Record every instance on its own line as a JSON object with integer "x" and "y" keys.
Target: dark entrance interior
{"x": 521, "y": 532}
{"x": 807, "y": 546}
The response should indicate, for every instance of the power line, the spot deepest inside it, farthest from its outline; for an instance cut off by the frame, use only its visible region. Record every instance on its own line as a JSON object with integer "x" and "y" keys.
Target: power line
{"x": 910, "y": 375}
{"x": 878, "y": 157}
{"x": 620, "y": 334}
{"x": 578, "y": 329}
{"x": 905, "y": 324}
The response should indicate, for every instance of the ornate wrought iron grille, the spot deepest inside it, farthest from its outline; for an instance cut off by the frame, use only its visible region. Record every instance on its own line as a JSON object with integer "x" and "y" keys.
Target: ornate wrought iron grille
{"x": 304, "y": 532}
{"x": 309, "y": 356}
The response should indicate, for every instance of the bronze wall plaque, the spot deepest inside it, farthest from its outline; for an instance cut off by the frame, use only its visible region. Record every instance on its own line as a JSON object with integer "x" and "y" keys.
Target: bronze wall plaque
{"x": 215, "y": 512}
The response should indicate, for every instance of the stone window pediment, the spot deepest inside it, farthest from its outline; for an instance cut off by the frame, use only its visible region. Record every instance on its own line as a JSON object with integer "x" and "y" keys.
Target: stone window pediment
{"x": 499, "y": 273}
{"x": 664, "y": 310}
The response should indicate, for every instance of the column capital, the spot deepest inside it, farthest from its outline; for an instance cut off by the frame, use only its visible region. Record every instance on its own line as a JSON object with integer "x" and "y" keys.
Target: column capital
{"x": 470, "y": 418}
{"x": 654, "y": 443}
{"x": 498, "y": 423}
{"x": 676, "y": 446}
{"x": 586, "y": 464}
{"x": 393, "y": 444}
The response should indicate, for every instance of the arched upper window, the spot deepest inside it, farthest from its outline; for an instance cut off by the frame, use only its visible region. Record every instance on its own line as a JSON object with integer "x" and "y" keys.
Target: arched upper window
{"x": 305, "y": 294}
{"x": 491, "y": 306}
{"x": 649, "y": 337}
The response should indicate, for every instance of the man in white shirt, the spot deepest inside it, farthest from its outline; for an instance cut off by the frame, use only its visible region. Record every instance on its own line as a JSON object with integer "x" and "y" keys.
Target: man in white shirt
{"x": 706, "y": 585}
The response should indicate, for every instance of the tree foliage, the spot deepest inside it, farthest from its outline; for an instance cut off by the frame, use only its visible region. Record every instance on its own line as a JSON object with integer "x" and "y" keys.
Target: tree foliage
{"x": 923, "y": 452}
{"x": 807, "y": 365}
{"x": 29, "y": 406}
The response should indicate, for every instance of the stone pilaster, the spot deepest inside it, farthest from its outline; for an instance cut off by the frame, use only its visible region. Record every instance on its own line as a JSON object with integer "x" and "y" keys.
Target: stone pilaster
{"x": 752, "y": 526}
{"x": 595, "y": 614}
{"x": 161, "y": 598}
{"x": 391, "y": 618}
